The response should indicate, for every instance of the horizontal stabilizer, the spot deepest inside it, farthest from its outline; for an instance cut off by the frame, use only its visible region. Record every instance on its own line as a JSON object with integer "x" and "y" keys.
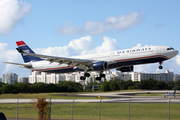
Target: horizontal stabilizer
{"x": 21, "y": 65}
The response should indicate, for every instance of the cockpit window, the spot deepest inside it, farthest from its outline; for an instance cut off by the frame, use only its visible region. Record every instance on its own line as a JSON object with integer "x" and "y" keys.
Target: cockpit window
{"x": 170, "y": 48}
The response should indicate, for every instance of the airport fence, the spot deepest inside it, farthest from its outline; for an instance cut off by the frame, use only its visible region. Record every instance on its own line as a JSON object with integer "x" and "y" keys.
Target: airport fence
{"x": 98, "y": 109}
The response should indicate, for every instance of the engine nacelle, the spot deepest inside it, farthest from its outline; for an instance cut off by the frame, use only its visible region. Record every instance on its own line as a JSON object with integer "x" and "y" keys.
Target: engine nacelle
{"x": 126, "y": 69}
{"x": 98, "y": 66}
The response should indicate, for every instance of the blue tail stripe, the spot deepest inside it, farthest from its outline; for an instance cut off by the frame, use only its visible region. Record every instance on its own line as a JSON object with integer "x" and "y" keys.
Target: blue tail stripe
{"x": 28, "y": 58}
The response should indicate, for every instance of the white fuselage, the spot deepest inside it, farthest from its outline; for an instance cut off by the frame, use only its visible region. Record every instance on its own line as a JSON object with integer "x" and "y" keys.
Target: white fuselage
{"x": 119, "y": 58}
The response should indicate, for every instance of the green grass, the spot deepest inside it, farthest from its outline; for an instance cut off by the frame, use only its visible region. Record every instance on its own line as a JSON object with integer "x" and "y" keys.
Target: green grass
{"x": 90, "y": 111}
{"x": 39, "y": 95}
{"x": 111, "y": 111}
{"x": 54, "y": 95}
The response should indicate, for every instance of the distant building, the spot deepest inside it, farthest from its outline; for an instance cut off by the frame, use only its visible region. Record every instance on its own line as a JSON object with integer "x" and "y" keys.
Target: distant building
{"x": 45, "y": 77}
{"x": 0, "y": 79}
{"x": 134, "y": 76}
{"x": 23, "y": 80}
{"x": 74, "y": 77}
{"x": 176, "y": 77}
{"x": 10, "y": 78}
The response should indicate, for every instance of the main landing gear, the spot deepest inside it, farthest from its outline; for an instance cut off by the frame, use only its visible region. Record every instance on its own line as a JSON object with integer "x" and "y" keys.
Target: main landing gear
{"x": 85, "y": 75}
{"x": 101, "y": 75}
{"x": 160, "y": 67}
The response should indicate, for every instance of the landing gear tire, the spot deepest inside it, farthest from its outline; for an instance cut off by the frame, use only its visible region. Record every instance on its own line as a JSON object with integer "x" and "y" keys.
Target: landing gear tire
{"x": 160, "y": 67}
{"x": 102, "y": 75}
{"x": 86, "y": 74}
{"x": 98, "y": 78}
{"x": 82, "y": 78}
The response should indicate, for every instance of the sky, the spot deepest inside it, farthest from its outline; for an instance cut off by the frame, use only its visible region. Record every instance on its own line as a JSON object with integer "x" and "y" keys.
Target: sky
{"x": 79, "y": 27}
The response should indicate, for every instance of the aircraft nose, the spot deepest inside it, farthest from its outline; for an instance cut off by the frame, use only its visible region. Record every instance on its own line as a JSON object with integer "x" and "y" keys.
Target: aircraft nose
{"x": 175, "y": 52}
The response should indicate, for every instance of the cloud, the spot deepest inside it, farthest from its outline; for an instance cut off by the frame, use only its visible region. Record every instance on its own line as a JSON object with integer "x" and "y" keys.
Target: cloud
{"x": 139, "y": 45}
{"x": 108, "y": 44}
{"x": 120, "y": 23}
{"x": 11, "y": 12}
{"x": 8, "y": 55}
{"x": 3, "y": 46}
{"x": 81, "y": 46}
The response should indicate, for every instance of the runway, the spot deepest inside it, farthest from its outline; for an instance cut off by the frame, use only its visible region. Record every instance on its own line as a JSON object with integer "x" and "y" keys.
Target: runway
{"x": 115, "y": 97}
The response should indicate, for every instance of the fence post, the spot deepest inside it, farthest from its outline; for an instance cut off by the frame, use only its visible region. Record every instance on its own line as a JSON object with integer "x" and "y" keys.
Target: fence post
{"x": 100, "y": 109}
{"x": 17, "y": 109}
{"x": 169, "y": 109}
{"x": 50, "y": 109}
{"x": 72, "y": 109}
{"x": 129, "y": 108}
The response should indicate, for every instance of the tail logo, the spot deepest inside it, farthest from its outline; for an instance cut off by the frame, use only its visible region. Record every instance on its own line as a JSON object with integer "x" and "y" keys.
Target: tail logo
{"x": 26, "y": 51}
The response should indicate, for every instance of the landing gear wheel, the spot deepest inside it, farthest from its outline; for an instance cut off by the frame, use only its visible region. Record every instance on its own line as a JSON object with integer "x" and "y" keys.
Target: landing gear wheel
{"x": 160, "y": 63}
{"x": 86, "y": 74}
{"x": 160, "y": 67}
{"x": 98, "y": 78}
{"x": 102, "y": 75}
{"x": 82, "y": 78}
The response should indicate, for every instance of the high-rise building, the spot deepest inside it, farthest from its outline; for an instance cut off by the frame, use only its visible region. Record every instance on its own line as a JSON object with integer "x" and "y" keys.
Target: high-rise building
{"x": 135, "y": 76}
{"x": 23, "y": 80}
{"x": 0, "y": 79}
{"x": 10, "y": 78}
{"x": 74, "y": 77}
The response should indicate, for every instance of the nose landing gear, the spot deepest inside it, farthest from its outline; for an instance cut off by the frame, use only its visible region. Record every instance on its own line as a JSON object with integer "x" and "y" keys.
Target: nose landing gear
{"x": 160, "y": 67}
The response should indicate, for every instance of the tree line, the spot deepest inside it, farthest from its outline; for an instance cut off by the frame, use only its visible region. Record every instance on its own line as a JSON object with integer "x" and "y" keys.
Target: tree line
{"x": 150, "y": 84}
{"x": 62, "y": 86}
{"x": 68, "y": 86}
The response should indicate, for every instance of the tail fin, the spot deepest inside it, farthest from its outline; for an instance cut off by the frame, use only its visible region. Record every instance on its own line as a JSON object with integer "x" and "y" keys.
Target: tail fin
{"x": 22, "y": 46}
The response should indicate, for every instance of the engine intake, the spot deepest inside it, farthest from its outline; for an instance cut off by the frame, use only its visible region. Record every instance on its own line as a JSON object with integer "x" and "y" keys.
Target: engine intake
{"x": 98, "y": 66}
{"x": 126, "y": 69}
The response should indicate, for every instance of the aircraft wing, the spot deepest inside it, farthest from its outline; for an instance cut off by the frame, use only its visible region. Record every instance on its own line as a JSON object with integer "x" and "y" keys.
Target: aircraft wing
{"x": 54, "y": 58}
{"x": 78, "y": 63}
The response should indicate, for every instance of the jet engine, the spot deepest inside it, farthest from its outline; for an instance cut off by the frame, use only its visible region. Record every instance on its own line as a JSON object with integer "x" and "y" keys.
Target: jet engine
{"x": 100, "y": 66}
{"x": 126, "y": 69}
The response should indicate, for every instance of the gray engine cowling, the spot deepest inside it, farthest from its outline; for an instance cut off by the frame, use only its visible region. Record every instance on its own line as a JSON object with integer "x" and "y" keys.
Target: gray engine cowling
{"x": 126, "y": 69}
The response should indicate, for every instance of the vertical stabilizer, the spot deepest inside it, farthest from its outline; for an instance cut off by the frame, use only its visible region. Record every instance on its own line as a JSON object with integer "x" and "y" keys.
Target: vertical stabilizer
{"x": 22, "y": 46}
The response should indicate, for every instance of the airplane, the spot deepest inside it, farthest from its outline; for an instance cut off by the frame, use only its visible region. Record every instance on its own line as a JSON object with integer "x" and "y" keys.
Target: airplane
{"x": 121, "y": 60}
{"x": 170, "y": 94}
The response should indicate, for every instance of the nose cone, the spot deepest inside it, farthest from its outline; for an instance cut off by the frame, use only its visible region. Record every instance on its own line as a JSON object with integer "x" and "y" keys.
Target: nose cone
{"x": 175, "y": 52}
{"x": 171, "y": 53}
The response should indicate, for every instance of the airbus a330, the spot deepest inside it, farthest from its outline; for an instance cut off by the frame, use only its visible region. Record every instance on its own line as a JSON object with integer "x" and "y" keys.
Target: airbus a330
{"x": 121, "y": 60}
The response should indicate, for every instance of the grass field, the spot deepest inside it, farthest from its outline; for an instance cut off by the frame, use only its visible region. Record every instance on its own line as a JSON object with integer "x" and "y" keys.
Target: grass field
{"x": 54, "y": 95}
{"x": 90, "y": 111}
{"x": 111, "y": 111}
{"x": 39, "y": 95}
